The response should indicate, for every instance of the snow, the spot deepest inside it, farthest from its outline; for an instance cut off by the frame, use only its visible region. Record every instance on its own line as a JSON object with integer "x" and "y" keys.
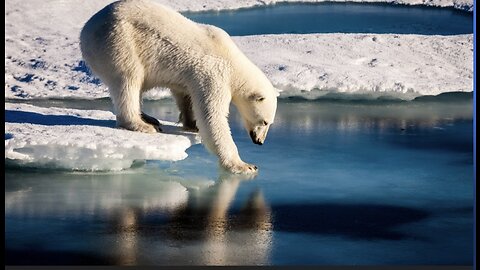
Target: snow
{"x": 84, "y": 140}
{"x": 403, "y": 66}
{"x": 43, "y": 60}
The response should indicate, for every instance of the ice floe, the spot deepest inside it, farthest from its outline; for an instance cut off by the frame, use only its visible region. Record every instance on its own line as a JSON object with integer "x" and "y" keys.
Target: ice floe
{"x": 84, "y": 140}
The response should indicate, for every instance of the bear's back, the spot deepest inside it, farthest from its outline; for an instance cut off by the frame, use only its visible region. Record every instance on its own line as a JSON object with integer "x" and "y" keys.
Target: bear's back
{"x": 146, "y": 21}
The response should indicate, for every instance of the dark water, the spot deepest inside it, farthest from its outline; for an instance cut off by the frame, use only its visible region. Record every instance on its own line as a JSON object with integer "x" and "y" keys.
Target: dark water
{"x": 339, "y": 18}
{"x": 339, "y": 183}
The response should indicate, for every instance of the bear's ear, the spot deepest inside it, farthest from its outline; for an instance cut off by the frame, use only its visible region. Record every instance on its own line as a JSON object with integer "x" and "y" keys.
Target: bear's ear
{"x": 277, "y": 92}
{"x": 256, "y": 97}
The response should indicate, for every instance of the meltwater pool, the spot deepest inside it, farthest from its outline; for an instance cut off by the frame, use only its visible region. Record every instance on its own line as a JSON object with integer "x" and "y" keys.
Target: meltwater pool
{"x": 340, "y": 183}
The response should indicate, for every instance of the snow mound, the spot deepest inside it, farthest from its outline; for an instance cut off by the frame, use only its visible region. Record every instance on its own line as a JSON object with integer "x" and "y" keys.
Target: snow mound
{"x": 400, "y": 66}
{"x": 84, "y": 140}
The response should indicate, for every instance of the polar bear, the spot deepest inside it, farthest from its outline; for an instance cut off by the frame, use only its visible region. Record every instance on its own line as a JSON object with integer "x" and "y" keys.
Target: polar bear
{"x": 136, "y": 45}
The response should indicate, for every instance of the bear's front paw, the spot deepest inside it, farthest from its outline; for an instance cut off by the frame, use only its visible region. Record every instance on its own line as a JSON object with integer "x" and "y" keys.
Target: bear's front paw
{"x": 241, "y": 168}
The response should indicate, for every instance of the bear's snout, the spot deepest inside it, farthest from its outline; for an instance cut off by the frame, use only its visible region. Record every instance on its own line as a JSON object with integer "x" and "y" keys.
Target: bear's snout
{"x": 255, "y": 139}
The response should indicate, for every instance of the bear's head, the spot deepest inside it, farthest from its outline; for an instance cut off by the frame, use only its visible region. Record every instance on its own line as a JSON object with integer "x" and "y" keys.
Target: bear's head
{"x": 257, "y": 107}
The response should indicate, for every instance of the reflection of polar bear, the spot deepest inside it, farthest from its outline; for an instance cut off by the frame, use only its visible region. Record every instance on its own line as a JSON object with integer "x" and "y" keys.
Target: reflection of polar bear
{"x": 134, "y": 46}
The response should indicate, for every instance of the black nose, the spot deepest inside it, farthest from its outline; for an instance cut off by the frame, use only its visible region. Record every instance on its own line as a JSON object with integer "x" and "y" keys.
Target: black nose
{"x": 254, "y": 140}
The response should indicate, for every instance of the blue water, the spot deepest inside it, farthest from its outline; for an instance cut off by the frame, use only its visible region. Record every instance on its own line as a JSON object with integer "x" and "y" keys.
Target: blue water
{"x": 340, "y": 183}
{"x": 302, "y": 18}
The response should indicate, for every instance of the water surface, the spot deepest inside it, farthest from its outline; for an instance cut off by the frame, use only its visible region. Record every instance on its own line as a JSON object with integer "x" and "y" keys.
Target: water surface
{"x": 339, "y": 183}
{"x": 305, "y": 18}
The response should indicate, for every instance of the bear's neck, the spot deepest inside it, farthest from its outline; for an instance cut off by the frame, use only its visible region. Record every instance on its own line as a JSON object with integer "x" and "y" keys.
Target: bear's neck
{"x": 245, "y": 77}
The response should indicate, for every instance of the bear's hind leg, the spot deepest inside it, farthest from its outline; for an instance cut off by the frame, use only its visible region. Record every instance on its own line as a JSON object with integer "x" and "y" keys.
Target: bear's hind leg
{"x": 126, "y": 101}
{"x": 184, "y": 104}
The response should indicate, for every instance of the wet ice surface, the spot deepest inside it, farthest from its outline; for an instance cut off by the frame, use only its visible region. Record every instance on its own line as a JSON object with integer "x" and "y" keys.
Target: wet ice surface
{"x": 339, "y": 183}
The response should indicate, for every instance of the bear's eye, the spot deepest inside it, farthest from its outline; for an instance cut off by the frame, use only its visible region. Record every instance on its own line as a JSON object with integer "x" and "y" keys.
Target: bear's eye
{"x": 256, "y": 97}
{"x": 265, "y": 123}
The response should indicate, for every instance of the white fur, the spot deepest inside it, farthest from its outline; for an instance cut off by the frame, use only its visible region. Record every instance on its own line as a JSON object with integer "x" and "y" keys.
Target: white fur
{"x": 135, "y": 45}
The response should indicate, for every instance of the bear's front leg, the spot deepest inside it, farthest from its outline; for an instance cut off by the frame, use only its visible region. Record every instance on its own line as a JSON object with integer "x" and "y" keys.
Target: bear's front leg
{"x": 211, "y": 107}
